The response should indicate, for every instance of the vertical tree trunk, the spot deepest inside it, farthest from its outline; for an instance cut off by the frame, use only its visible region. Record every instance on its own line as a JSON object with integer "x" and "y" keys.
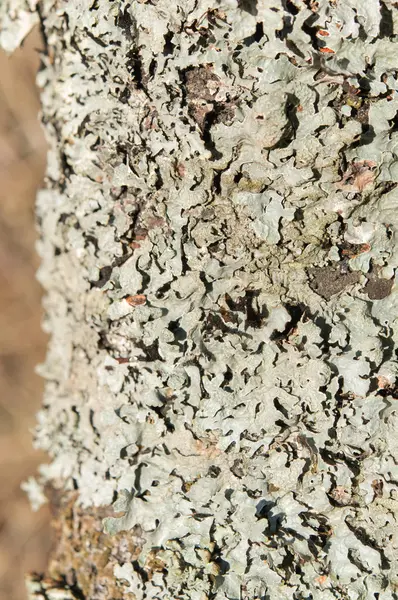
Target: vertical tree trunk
{"x": 218, "y": 240}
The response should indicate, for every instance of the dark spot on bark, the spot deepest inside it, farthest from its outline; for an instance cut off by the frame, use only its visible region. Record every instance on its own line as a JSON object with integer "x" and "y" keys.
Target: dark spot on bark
{"x": 367, "y": 136}
{"x": 105, "y": 274}
{"x": 224, "y": 112}
{"x": 135, "y": 67}
{"x": 201, "y": 86}
{"x": 377, "y": 485}
{"x": 162, "y": 291}
{"x": 290, "y": 7}
{"x": 63, "y": 217}
{"x": 255, "y": 315}
{"x": 362, "y": 114}
{"x": 216, "y": 185}
{"x": 247, "y": 304}
{"x": 214, "y": 323}
{"x": 386, "y": 21}
{"x": 281, "y": 408}
{"x": 75, "y": 46}
{"x": 82, "y": 130}
{"x": 393, "y": 123}
{"x": 97, "y": 40}
{"x": 310, "y": 28}
{"x": 290, "y": 11}
{"x": 378, "y": 288}
{"x": 389, "y": 392}
{"x": 237, "y": 469}
{"x": 328, "y": 281}
{"x": 293, "y": 122}
{"x": 209, "y": 120}
{"x": 256, "y": 37}
{"x": 124, "y": 95}
{"x": 126, "y": 23}
{"x": 238, "y": 305}
{"x": 151, "y": 351}
{"x": 293, "y": 102}
{"x": 168, "y": 47}
{"x": 228, "y": 376}
{"x": 197, "y": 80}
{"x": 178, "y": 331}
{"x": 249, "y": 6}
{"x": 159, "y": 180}
{"x": 348, "y": 250}
{"x": 213, "y": 471}
{"x": 263, "y": 508}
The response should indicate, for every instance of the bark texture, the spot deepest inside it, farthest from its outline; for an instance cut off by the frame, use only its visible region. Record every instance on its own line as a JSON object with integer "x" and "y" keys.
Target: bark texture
{"x": 219, "y": 245}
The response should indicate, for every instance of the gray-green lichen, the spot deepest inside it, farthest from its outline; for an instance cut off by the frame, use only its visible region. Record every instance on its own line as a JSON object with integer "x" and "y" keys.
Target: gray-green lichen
{"x": 219, "y": 247}
{"x": 17, "y": 17}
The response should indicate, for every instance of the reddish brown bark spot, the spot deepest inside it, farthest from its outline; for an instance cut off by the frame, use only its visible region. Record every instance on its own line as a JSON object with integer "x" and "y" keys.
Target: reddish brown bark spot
{"x": 136, "y": 300}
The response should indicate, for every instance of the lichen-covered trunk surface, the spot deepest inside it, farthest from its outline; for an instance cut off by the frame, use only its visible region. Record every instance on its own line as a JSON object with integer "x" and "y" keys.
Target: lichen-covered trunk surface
{"x": 218, "y": 233}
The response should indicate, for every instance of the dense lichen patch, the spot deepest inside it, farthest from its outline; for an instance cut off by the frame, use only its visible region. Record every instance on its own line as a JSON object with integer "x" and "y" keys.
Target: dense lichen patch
{"x": 219, "y": 253}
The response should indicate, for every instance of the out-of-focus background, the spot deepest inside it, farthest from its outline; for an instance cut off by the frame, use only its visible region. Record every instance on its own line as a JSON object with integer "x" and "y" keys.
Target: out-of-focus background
{"x": 24, "y": 536}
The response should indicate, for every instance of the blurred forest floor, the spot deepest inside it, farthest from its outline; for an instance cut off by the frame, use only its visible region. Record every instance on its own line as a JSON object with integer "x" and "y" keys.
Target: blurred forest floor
{"x": 24, "y": 535}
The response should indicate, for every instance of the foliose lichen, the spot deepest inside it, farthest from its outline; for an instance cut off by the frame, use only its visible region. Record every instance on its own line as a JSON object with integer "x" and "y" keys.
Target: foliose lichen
{"x": 219, "y": 249}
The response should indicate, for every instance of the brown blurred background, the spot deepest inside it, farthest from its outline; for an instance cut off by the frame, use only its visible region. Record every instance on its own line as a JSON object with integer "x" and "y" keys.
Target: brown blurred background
{"x": 24, "y": 535}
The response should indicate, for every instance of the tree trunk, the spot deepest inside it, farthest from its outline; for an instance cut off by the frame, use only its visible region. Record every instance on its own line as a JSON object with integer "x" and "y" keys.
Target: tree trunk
{"x": 218, "y": 240}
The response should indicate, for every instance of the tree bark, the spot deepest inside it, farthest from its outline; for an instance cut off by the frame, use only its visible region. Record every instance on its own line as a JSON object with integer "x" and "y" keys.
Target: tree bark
{"x": 218, "y": 239}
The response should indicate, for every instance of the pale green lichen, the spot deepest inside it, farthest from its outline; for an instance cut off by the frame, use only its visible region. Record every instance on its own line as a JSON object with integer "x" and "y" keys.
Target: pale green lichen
{"x": 202, "y": 155}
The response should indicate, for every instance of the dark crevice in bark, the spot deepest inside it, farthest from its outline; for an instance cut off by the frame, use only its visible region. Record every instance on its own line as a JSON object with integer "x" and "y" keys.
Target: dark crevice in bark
{"x": 105, "y": 274}
{"x": 97, "y": 40}
{"x": 160, "y": 412}
{"x": 256, "y": 36}
{"x": 249, "y": 6}
{"x": 135, "y": 67}
{"x": 151, "y": 351}
{"x": 75, "y": 46}
{"x": 126, "y": 23}
{"x": 168, "y": 47}
{"x": 386, "y": 22}
{"x": 210, "y": 119}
